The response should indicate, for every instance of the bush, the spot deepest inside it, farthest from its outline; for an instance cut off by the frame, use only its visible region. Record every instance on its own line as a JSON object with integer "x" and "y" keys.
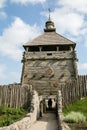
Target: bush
{"x": 74, "y": 117}
{"x": 10, "y": 115}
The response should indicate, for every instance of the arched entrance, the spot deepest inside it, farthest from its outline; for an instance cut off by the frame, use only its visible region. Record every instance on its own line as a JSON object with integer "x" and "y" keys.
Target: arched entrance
{"x": 48, "y": 104}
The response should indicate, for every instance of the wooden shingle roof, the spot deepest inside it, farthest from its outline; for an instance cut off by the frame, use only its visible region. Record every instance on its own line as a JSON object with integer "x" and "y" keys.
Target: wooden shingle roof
{"x": 49, "y": 38}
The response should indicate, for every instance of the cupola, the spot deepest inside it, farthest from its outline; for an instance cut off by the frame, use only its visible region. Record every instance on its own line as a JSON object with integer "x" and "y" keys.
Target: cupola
{"x": 49, "y": 25}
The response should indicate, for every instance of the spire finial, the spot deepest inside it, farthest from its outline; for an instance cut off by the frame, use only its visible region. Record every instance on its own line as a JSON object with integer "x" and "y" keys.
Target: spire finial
{"x": 49, "y": 24}
{"x": 49, "y": 14}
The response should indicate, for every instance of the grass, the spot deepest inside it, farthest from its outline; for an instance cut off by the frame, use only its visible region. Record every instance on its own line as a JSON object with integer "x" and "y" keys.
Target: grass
{"x": 10, "y": 115}
{"x": 79, "y": 106}
{"x": 76, "y": 115}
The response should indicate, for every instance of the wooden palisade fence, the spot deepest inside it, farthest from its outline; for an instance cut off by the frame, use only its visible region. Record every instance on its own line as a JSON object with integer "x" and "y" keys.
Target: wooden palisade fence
{"x": 74, "y": 91}
{"x": 15, "y": 96}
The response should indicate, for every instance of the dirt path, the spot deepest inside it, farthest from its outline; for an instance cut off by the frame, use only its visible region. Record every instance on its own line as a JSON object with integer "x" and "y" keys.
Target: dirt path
{"x": 47, "y": 122}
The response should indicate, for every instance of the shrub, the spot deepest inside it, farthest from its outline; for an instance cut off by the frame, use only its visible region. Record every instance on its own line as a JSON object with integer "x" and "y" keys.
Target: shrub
{"x": 74, "y": 117}
{"x": 10, "y": 115}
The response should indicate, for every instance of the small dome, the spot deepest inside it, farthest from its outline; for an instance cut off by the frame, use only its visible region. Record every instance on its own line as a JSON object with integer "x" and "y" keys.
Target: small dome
{"x": 49, "y": 26}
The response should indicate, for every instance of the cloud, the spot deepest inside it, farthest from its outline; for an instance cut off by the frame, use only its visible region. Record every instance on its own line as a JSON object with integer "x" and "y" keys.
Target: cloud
{"x": 67, "y": 21}
{"x": 70, "y": 19}
{"x": 2, "y": 3}
{"x": 15, "y": 36}
{"x": 78, "y": 5}
{"x": 24, "y": 2}
{"x": 71, "y": 16}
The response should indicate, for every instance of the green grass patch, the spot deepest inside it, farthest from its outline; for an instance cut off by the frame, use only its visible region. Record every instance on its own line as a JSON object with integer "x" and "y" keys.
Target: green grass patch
{"x": 10, "y": 115}
{"x": 75, "y": 117}
{"x": 78, "y": 106}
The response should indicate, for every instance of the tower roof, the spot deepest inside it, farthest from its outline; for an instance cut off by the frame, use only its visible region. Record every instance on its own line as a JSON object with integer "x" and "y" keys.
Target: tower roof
{"x": 49, "y": 37}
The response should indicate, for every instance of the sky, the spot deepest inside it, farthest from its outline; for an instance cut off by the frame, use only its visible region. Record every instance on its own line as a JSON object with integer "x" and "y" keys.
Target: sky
{"x": 23, "y": 20}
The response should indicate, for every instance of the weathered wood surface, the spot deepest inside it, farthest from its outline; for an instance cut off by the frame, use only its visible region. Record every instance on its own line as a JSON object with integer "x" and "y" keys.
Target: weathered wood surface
{"x": 46, "y": 74}
{"x": 15, "y": 96}
{"x": 74, "y": 91}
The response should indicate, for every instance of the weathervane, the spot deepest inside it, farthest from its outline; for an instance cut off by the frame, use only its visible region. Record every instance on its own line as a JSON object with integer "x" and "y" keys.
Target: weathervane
{"x": 49, "y": 14}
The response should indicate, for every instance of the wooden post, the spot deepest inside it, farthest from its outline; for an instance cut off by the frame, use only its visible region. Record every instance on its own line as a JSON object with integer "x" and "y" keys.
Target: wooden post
{"x": 41, "y": 109}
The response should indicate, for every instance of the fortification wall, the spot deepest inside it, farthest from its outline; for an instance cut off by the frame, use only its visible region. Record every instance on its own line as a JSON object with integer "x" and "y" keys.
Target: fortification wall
{"x": 73, "y": 91}
{"x": 15, "y": 95}
{"x": 30, "y": 118}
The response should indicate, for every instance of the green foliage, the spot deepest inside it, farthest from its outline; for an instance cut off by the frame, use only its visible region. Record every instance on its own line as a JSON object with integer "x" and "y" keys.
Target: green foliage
{"x": 2, "y": 110}
{"x": 74, "y": 117}
{"x": 10, "y": 115}
{"x": 76, "y": 112}
{"x": 6, "y": 121}
{"x": 79, "y": 106}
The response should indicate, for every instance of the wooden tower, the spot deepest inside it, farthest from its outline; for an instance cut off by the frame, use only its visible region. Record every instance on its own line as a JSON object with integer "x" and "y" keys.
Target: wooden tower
{"x": 48, "y": 61}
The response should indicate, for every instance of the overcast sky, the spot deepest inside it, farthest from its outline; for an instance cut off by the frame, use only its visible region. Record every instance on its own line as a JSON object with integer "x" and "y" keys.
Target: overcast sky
{"x": 23, "y": 20}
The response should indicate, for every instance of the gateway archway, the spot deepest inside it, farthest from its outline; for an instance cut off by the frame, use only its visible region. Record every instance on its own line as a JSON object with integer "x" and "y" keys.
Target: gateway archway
{"x": 48, "y": 104}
